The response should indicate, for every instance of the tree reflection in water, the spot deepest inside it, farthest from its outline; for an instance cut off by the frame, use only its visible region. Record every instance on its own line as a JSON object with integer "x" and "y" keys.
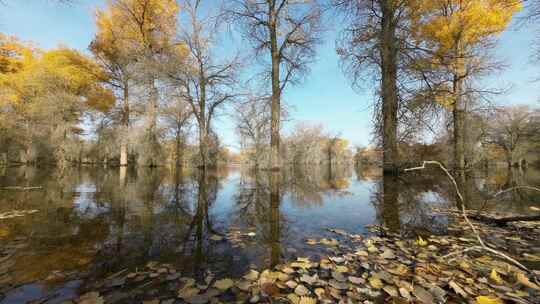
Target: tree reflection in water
{"x": 105, "y": 220}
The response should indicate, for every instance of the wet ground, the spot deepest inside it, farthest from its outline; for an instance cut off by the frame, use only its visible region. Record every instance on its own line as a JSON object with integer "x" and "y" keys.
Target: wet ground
{"x": 83, "y": 225}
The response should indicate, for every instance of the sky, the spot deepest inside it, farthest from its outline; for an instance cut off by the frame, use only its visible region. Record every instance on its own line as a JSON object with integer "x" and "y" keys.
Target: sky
{"x": 325, "y": 97}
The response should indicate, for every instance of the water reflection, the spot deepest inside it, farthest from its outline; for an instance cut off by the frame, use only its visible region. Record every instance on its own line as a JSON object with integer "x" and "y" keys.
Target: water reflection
{"x": 99, "y": 221}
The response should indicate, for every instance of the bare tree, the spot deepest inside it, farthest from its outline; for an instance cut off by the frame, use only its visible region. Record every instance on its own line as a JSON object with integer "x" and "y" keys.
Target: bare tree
{"x": 512, "y": 129}
{"x": 207, "y": 82}
{"x": 176, "y": 116}
{"x": 253, "y": 126}
{"x": 373, "y": 42}
{"x": 284, "y": 34}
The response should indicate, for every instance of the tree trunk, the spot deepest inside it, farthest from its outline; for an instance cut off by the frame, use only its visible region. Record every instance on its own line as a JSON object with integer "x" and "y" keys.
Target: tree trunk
{"x": 389, "y": 87}
{"x": 203, "y": 128}
{"x": 390, "y": 205}
{"x": 275, "y": 227}
{"x": 125, "y": 127}
{"x": 459, "y": 115}
{"x": 275, "y": 162}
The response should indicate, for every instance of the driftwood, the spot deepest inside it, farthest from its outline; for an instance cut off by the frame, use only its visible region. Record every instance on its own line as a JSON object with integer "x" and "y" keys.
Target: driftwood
{"x": 464, "y": 212}
{"x": 499, "y": 221}
{"x": 15, "y": 188}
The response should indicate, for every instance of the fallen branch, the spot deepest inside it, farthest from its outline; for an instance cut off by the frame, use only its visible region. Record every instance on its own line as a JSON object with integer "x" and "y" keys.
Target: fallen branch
{"x": 22, "y": 188}
{"x": 464, "y": 213}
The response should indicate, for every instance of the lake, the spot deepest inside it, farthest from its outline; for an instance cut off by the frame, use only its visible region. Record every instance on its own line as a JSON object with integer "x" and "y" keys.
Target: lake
{"x": 84, "y": 224}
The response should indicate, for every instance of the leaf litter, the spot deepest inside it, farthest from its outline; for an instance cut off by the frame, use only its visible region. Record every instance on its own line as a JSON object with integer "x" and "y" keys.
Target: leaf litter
{"x": 381, "y": 267}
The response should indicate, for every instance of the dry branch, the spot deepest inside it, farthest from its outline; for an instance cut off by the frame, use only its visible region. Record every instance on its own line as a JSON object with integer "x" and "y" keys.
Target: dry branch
{"x": 21, "y": 188}
{"x": 464, "y": 214}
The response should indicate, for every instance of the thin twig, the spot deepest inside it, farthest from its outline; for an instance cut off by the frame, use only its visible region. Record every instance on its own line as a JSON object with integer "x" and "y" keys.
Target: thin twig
{"x": 464, "y": 213}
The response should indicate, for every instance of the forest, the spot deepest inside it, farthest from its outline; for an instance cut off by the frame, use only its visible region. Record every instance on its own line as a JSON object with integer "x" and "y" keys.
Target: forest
{"x": 117, "y": 184}
{"x": 149, "y": 89}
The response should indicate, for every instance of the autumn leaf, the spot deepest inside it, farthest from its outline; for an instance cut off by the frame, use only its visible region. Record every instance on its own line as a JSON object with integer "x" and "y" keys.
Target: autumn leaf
{"x": 421, "y": 242}
{"x": 488, "y": 300}
{"x": 494, "y": 275}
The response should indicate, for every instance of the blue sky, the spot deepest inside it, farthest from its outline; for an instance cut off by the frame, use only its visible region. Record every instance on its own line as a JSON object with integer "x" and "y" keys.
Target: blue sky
{"x": 325, "y": 97}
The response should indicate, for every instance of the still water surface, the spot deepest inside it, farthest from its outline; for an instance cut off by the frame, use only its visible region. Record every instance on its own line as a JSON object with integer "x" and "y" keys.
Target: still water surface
{"x": 93, "y": 222}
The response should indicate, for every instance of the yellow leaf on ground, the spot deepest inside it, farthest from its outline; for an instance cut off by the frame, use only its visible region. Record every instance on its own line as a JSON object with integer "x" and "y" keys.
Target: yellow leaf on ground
{"x": 488, "y": 300}
{"x": 496, "y": 277}
{"x": 421, "y": 242}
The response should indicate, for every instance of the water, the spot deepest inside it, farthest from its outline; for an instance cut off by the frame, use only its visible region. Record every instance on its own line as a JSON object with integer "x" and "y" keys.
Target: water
{"x": 92, "y": 222}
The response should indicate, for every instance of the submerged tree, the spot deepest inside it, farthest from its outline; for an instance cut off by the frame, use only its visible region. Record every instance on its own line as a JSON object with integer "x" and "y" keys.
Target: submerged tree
{"x": 284, "y": 34}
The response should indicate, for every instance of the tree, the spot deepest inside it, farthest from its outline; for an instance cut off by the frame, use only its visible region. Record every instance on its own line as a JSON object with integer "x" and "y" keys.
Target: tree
{"x": 512, "y": 129}
{"x": 177, "y": 115}
{"x": 373, "y": 40}
{"x": 253, "y": 127}
{"x": 204, "y": 80}
{"x": 284, "y": 34}
{"x": 45, "y": 94}
{"x": 109, "y": 51}
{"x": 457, "y": 36}
{"x": 133, "y": 35}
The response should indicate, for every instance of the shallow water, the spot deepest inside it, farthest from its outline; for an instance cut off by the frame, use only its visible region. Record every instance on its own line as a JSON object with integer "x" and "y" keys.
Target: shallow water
{"x": 92, "y": 222}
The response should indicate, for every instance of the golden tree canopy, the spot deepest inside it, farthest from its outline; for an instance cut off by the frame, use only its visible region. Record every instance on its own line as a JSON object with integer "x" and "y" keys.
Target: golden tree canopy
{"x": 136, "y": 25}
{"x": 447, "y": 25}
{"x": 42, "y": 73}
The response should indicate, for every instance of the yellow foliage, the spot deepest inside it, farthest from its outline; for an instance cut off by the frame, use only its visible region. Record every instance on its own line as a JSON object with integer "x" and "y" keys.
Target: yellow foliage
{"x": 135, "y": 26}
{"x": 448, "y": 25}
{"x": 59, "y": 71}
{"x": 13, "y": 54}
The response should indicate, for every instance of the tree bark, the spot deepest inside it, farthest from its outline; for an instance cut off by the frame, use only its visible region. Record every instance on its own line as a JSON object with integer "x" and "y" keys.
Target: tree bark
{"x": 389, "y": 87}
{"x": 275, "y": 162}
{"x": 459, "y": 115}
{"x": 203, "y": 128}
{"x": 125, "y": 126}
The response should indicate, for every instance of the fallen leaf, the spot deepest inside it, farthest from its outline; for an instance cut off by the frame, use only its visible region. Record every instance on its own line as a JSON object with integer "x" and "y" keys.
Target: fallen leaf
{"x": 525, "y": 281}
{"x": 421, "y": 242}
{"x": 494, "y": 275}
{"x": 301, "y": 290}
{"x": 224, "y": 284}
{"x": 488, "y": 300}
{"x": 307, "y": 300}
{"x": 376, "y": 283}
{"x": 423, "y": 295}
